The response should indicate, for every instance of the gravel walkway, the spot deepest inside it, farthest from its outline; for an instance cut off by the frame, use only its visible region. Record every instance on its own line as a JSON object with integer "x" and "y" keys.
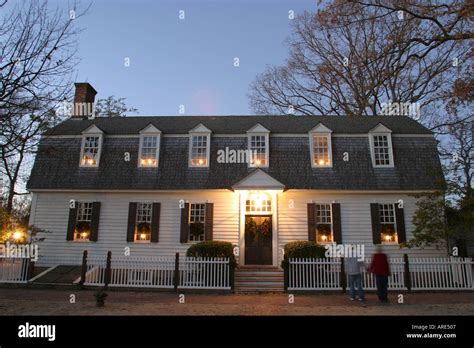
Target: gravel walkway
{"x": 57, "y": 302}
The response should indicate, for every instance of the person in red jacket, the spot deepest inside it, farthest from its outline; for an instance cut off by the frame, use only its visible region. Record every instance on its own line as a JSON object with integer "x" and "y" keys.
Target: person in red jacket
{"x": 380, "y": 268}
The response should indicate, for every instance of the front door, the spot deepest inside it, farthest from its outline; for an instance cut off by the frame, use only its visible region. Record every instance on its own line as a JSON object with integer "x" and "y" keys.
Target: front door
{"x": 258, "y": 240}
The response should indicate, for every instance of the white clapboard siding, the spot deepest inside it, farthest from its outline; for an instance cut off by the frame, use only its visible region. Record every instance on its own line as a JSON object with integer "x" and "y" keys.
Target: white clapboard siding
{"x": 355, "y": 219}
{"x": 51, "y": 212}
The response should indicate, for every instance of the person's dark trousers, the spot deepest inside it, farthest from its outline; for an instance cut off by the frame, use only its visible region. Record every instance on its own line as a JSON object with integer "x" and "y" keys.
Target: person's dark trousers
{"x": 382, "y": 287}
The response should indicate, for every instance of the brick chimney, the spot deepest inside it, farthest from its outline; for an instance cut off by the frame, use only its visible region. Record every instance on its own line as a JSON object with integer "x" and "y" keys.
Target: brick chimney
{"x": 84, "y": 97}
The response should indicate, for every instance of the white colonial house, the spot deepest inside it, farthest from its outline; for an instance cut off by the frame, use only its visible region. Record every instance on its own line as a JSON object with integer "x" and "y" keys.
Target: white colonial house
{"x": 159, "y": 184}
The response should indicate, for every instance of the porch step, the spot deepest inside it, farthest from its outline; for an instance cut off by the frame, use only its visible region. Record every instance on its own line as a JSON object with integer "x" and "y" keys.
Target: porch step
{"x": 59, "y": 275}
{"x": 258, "y": 279}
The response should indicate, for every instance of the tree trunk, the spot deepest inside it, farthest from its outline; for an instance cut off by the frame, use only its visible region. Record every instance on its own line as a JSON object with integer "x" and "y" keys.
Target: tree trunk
{"x": 11, "y": 194}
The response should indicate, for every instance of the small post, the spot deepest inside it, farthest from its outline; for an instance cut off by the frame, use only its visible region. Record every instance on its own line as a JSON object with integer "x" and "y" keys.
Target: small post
{"x": 343, "y": 279}
{"x": 108, "y": 269}
{"x": 231, "y": 275}
{"x": 31, "y": 267}
{"x": 407, "y": 275}
{"x": 286, "y": 272}
{"x": 176, "y": 272}
{"x": 83, "y": 268}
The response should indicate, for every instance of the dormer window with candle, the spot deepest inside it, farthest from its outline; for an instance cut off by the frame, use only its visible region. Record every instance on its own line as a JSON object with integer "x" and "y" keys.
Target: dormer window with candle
{"x": 149, "y": 147}
{"x": 199, "y": 146}
{"x": 381, "y": 150}
{"x": 258, "y": 146}
{"x": 320, "y": 147}
{"x": 91, "y": 147}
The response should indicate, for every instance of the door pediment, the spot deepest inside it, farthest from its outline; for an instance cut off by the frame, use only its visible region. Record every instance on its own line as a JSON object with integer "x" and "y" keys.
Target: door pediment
{"x": 258, "y": 180}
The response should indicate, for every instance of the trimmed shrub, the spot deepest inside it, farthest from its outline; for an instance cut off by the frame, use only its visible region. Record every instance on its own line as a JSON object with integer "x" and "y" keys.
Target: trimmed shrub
{"x": 213, "y": 248}
{"x": 303, "y": 249}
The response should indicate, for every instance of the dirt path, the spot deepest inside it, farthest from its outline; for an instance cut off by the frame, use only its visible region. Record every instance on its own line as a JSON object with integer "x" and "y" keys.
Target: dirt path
{"x": 57, "y": 302}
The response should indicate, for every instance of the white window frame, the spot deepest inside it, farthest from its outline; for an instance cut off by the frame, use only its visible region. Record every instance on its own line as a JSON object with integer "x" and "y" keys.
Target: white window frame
{"x": 267, "y": 149}
{"x": 395, "y": 226}
{"x": 258, "y": 130}
{"x": 99, "y": 150}
{"x": 316, "y": 222}
{"x": 388, "y": 134}
{"x": 203, "y": 222}
{"x": 144, "y": 134}
{"x": 135, "y": 234}
{"x": 323, "y": 131}
{"x": 327, "y": 135}
{"x": 199, "y": 130}
{"x": 256, "y": 211}
{"x": 79, "y": 206}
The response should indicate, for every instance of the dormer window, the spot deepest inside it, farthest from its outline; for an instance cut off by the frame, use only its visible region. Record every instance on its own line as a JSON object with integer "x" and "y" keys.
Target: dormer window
{"x": 91, "y": 147}
{"x": 320, "y": 147}
{"x": 149, "y": 147}
{"x": 381, "y": 147}
{"x": 258, "y": 146}
{"x": 199, "y": 146}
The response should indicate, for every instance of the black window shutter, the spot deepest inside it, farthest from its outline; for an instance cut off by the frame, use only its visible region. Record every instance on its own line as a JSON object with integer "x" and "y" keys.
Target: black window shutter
{"x": 132, "y": 217}
{"x": 155, "y": 223}
{"x": 400, "y": 220}
{"x": 71, "y": 225}
{"x": 208, "y": 225}
{"x": 336, "y": 223}
{"x": 311, "y": 222}
{"x": 184, "y": 229}
{"x": 95, "y": 221}
{"x": 374, "y": 212}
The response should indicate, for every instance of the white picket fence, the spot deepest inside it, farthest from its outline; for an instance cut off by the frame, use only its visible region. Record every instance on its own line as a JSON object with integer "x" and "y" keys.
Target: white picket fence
{"x": 396, "y": 279}
{"x": 204, "y": 273}
{"x": 425, "y": 274}
{"x": 158, "y": 272}
{"x": 14, "y": 270}
{"x": 314, "y": 274}
{"x": 453, "y": 273}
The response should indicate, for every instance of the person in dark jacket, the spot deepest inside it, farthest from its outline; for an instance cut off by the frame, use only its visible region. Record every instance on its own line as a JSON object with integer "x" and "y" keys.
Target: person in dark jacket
{"x": 381, "y": 269}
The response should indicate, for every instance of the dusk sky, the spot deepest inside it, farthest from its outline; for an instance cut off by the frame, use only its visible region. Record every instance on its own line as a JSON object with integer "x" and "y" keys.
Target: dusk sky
{"x": 186, "y": 62}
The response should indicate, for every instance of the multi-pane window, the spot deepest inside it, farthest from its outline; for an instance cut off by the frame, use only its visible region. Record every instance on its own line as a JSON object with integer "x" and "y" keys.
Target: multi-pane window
{"x": 197, "y": 215}
{"x": 323, "y": 223}
{"x": 258, "y": 203}
{"x": 83, "y": 221}
{"x": 199, "y": 150}
{"x": 90, "y": 151}
{"x": 388, "y": 232}
{"x": 258, "y": 150}
{"x": 143, "y": 223}
{"x": 381, "y": 150}
{"x": 149, "y": 151}
{"x": 321, "y": 154}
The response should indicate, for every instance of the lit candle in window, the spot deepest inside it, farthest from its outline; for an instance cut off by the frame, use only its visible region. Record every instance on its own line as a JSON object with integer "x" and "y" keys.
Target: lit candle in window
{"x": 201, "y": 162}
{"x": 388, "y": 238}
{"x": 83, "y": 235}
{"x": 17, "y": 235}
{"x": 324, "y": 238}
{"x": 321, "y": 162}
{"x": 259, "y": 162}
{"x": 143, "y": 236}
{"x": 150, "y": 161}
